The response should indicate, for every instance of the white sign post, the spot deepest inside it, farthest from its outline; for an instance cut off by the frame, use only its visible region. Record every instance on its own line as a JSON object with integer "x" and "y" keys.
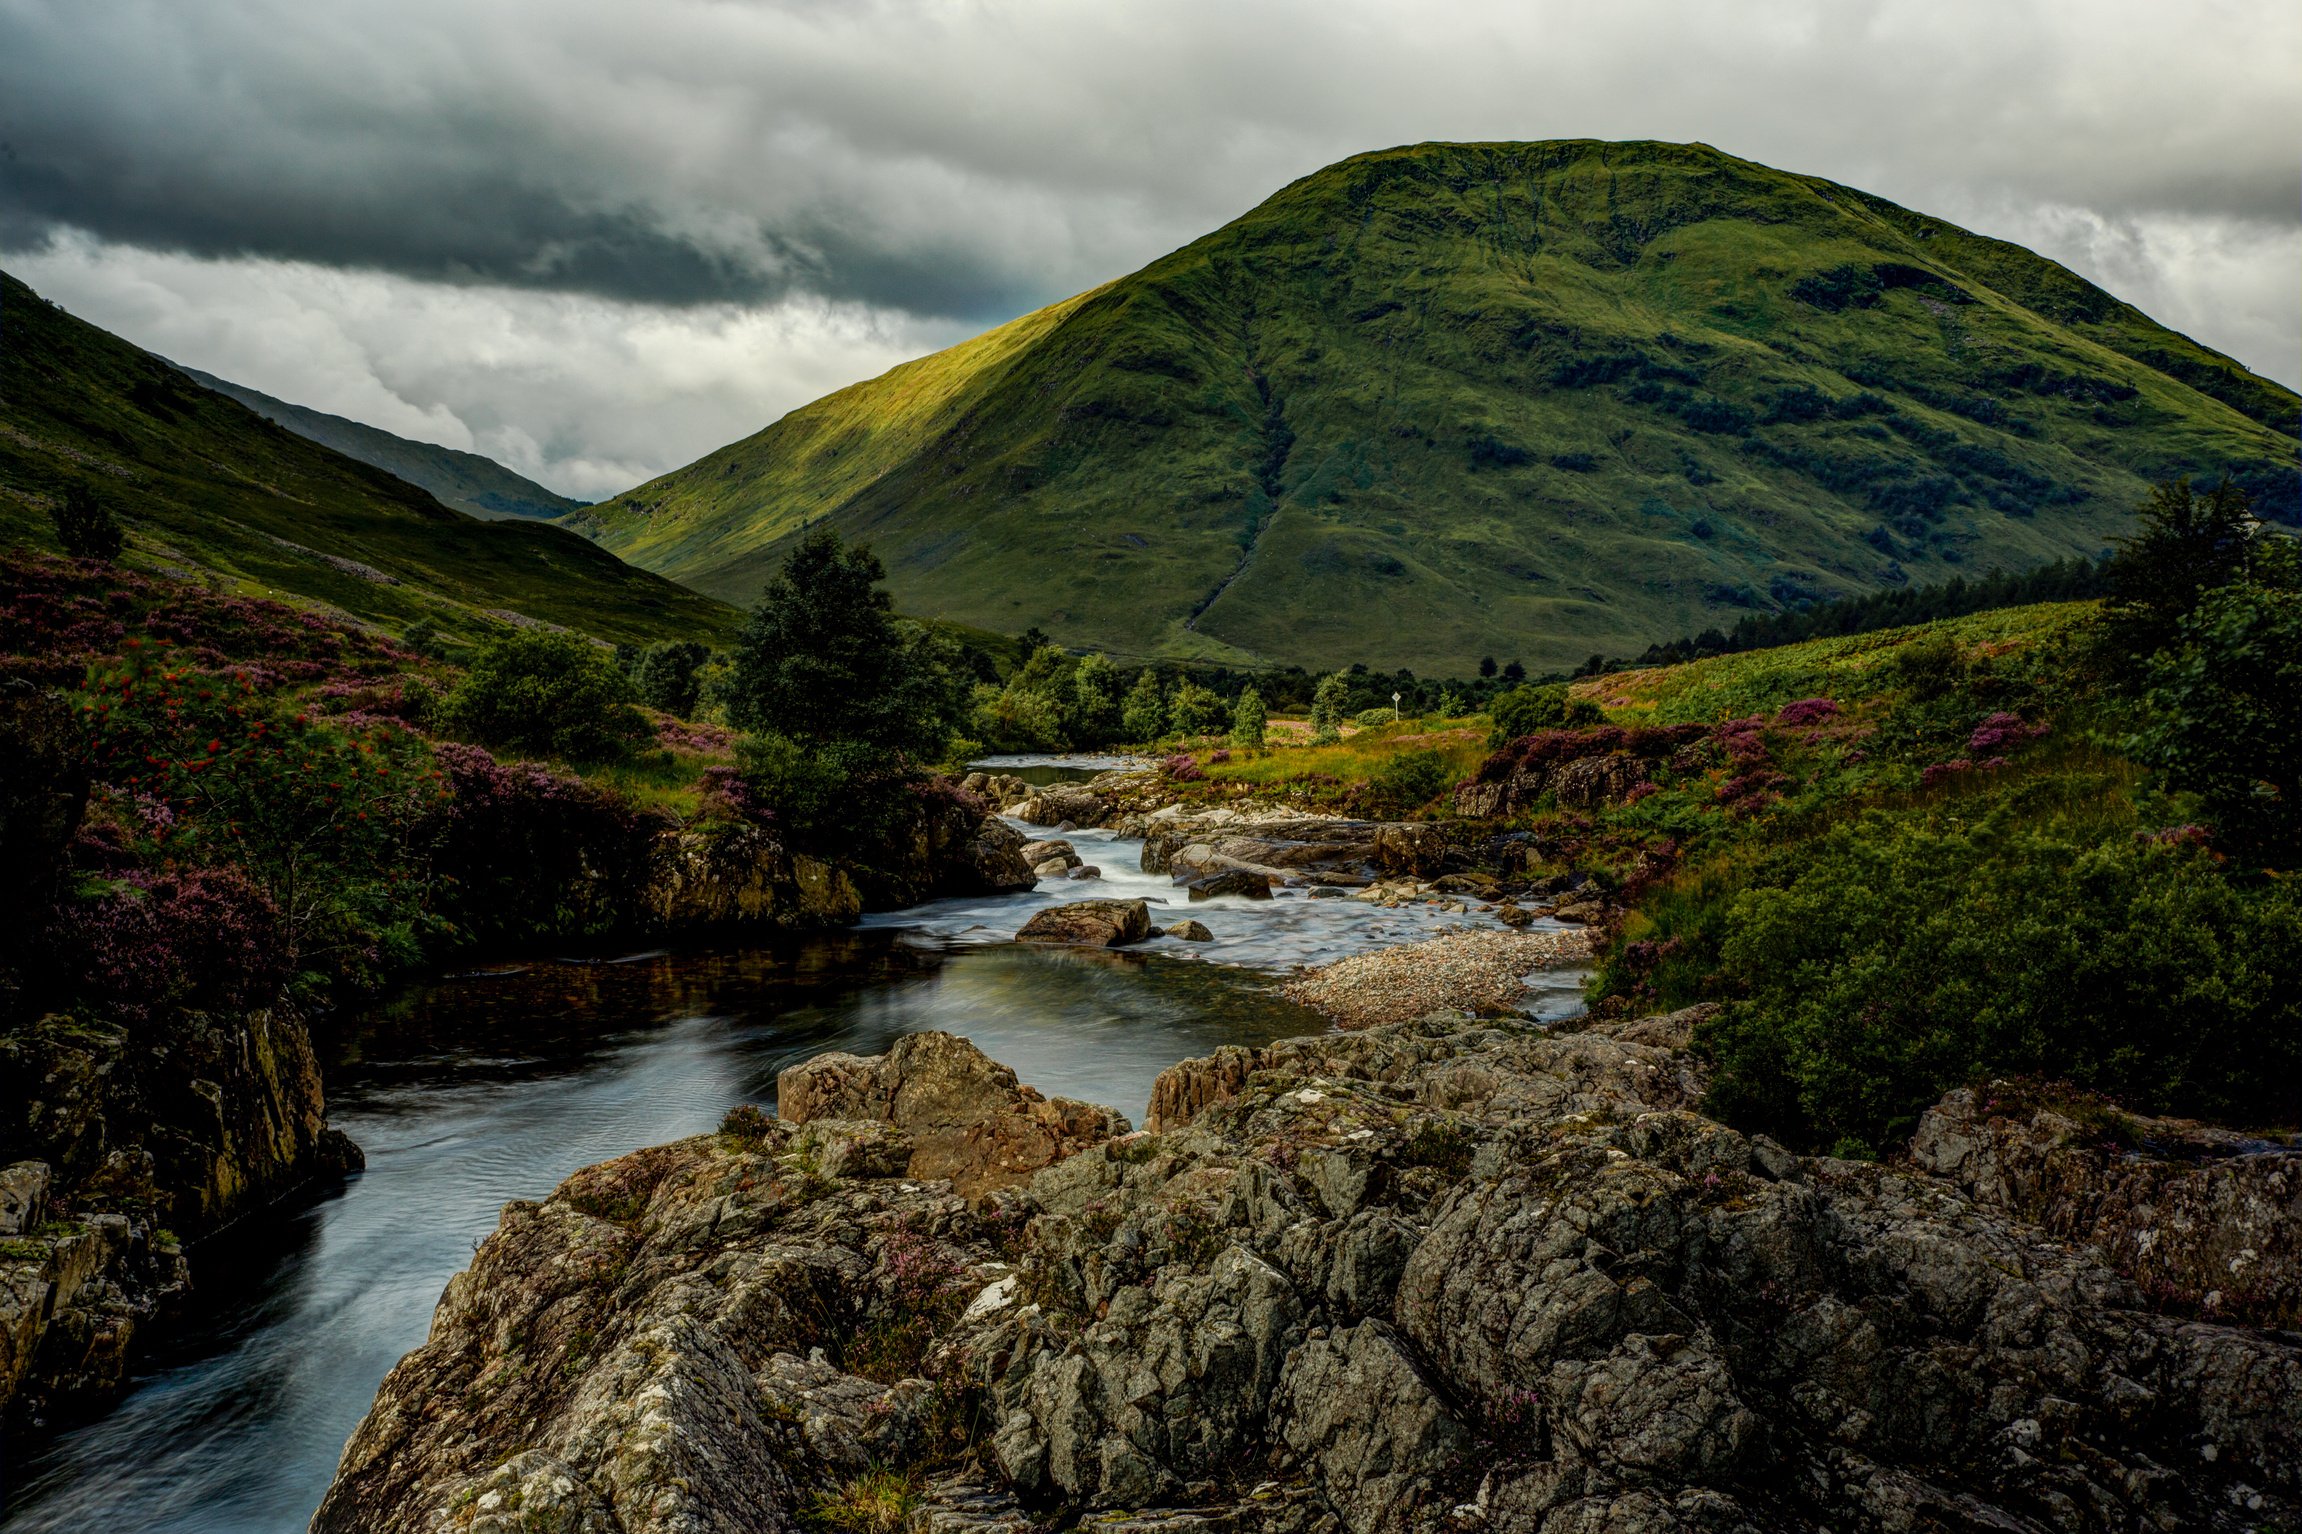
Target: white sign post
{"x": 1394, "y": 708}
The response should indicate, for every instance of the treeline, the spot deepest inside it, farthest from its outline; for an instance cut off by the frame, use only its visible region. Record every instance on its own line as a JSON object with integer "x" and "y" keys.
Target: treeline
{"x": 2066, "y": 580}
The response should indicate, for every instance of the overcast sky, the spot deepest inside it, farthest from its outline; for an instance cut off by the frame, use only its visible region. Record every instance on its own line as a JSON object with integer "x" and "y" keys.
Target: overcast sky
{"x": 597, "y": 238}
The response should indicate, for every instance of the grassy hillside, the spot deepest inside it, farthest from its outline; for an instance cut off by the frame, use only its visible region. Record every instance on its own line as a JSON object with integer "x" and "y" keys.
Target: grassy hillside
{"x": 1531, "y": 399}
{"x": 204, "y": 483}
{"x": 467, "y": 481}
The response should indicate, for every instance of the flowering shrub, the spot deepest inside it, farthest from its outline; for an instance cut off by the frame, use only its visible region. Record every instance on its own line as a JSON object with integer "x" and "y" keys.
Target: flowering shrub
{"x": 722, "y": 794}
{"x": 1806, "y": 711}
{"x": 521, "y": 849}
{"x": 1750, "y": 790}
{"x": 316, "y": 815}
{"x": 1547, "y": 748}
{"x": 1182, "y": 767}
{"x": 1994, "y": 735}
{"x": 203, "y": 938}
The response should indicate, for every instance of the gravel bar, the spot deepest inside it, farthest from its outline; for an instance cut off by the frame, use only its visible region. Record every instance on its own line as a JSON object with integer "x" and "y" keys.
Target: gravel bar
{"x": 1476, "y": 971}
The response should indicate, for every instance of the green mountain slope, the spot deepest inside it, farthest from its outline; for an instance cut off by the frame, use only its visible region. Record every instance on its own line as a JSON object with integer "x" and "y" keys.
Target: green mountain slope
{"x": 467, "y": 481}
{"x": 1520, "y": 399}
{"x": 203, "y": 481}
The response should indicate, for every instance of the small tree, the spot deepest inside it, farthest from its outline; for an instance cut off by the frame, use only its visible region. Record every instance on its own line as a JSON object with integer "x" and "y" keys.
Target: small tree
{"x": 423, "y": 638}
{"x": 1143, "y": 717}
{"x": 1329, "y": 705}
{"x": 2187, "y": 545}
{"x": 1194, "y": 710}
{"x": 546, "y": 694}
{"x": 1515, "y": 673}
{"x": 85, "y": 527}
{"x": 1095, "y": 703}
{"x": 1248, "y": 720}
{"x": 2224, "y": 717}
{"x": 666, "y": 675}
{"x": 1486, "y": 665}
{"x": 824, "y": 658}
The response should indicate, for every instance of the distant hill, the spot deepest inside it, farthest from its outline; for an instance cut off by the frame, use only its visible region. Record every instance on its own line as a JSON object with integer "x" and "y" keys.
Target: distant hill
{"x": 466, "y": 481}
{"x": 1537, "y": 400}
{"x": 209, "y": 486}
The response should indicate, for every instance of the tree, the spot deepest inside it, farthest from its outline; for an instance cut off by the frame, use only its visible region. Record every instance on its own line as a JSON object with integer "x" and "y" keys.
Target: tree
{"x": 1248, "y": 720}
{"x": 1486, "y": 665}
{"x": 1143, "y": 717}
{"x": 1194, "y": 710}
{"x": 2224, "y": 717}
{"x": 1095, "y": 703}
{"x": 824, "y": 658}
{"x": 2187, "y": 545}
{"x": 542, "y": 693}
{"x": 666, "y": 675}
{"x": 1330, "y": 704}
{"x": 85, "y": 527}
{"x": 1514, "y": 673}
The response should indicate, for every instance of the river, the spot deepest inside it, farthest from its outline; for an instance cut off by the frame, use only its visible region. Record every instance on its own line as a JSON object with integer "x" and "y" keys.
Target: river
{"x": 477, "y": 1089}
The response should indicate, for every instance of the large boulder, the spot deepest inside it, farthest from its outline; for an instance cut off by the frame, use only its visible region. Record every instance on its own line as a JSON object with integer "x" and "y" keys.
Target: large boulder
{"x": 1235, "y": 881}
{"x": 1090, "y": 924}
{"x": 966, "y": 1116}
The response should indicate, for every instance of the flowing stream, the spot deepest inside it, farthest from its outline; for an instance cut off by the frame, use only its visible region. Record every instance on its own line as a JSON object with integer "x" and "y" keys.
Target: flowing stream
{"x": 481, "y": 1088}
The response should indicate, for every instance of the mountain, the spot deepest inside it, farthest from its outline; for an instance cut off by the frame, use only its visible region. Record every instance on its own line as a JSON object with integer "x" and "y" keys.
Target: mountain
{"x": 1514, "y": 399}
{"x": 203, "y": 481}
{"x": 466, "y": 481}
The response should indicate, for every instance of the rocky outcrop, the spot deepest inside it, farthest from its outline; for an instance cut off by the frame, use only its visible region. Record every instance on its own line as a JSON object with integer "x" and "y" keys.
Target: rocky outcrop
{"x": 1440, "y": 1275}
{"x": 1090, "y": 924}
{"x": 2202, "y": 1220}
{"x": 733, "y": 874}
{"x": 1241, "y": 882}
{"x": 181, "y": 1125}
{"x": 958, "y": 1114}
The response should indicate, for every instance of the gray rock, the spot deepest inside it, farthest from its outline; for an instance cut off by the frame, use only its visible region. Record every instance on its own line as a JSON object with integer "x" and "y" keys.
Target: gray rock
{"x": 1236, "y": 881}
{"x": 1090, "y": 923}
{"x": 1191, "y": 932}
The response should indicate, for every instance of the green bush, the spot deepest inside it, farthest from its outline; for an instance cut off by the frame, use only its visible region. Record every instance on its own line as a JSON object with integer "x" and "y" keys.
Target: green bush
{"x": 1013, "y": 718}
{"x": 541, "y": 693}
{"x": 1369, "y": 718}
{"x": 1248, "y": 720}
{"x": 1900, "y": 956}
{"x": 423, "y": 637}
{"x": 1524, "y": 710}
{"x": 824, "y": 793}
{"x": 1409, "y": 781}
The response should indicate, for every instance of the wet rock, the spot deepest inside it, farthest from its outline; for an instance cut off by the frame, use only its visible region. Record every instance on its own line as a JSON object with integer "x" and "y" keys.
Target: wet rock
{"x": 1191, "y": 932}
{"x": 1085, "y": 871}
{"x": 1090, "y": 923}
{"x": 963, "y": 1115}
{"x": 1050, "y": 868}
{"x": 1237, "y": 881}
{"x": 1328, "y": 892}
{"x": 1038, "y": 852}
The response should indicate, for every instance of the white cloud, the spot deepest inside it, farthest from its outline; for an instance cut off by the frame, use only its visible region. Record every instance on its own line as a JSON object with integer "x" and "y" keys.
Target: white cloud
{"x": 586, "y": 395}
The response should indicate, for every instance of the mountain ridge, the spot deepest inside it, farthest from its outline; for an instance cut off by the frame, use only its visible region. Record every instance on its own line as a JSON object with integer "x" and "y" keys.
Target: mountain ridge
{"x": 202, "y": 481}
{"x": 472, "y": 483}
{"x": 1445, "y": 400}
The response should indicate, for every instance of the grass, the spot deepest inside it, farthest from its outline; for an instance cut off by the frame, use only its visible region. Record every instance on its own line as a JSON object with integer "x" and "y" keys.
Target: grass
{"x": 1517, "y": 399}
{"x": 879, "y": 1501}
{"x": 209, "y": 488}
{"x": 1327, "y": 776}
